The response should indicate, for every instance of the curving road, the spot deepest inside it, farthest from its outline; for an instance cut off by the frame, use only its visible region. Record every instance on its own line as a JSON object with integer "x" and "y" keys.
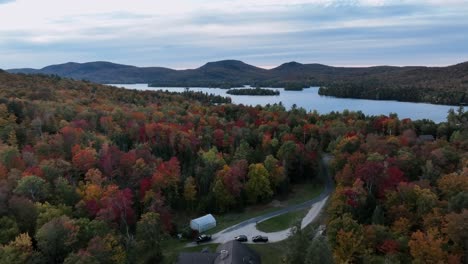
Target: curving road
{"x": 248, "y": 227}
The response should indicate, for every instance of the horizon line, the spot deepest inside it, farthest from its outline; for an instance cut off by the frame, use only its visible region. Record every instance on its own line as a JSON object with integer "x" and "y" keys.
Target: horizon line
{"x": 266, "y": 67}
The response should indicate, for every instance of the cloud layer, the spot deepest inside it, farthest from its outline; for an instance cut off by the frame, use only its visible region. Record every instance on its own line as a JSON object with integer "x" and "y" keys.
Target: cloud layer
{"x": 187, "y": 33}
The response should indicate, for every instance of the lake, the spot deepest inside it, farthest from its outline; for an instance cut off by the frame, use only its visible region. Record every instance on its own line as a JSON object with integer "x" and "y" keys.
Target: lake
{"x": 310, "y": 100}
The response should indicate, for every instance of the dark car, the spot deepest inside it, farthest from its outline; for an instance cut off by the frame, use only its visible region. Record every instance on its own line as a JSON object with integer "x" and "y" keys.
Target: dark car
{"x": 241, "y": 238}
{"x": 203, "y": 238}
{"x": 260, "y": 239}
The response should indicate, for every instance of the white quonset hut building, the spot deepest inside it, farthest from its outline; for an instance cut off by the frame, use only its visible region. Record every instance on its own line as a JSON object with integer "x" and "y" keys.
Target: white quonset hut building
{"x": 203, "y": 223}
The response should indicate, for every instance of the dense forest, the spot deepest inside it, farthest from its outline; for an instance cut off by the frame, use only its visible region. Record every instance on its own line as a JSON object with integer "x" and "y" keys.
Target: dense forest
{"x": 438, "y": 85}
{"x": 375, "y": 90}
{"x": 444, "y": 85}
{"x": 253, "y": 91}
{"x": 423, "y": 88}
{"x": 399, "y": 197}
{"x": 92, "y": 173}
{"x": 97, "y": 174}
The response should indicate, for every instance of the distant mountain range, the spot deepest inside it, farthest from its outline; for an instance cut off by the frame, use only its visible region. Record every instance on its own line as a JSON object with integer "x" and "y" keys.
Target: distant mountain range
{"x": 100, "y": 72}
{"x": 447, "y": 85}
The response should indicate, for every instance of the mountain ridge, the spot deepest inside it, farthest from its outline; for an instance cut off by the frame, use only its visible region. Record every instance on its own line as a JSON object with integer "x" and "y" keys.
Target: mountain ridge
{"x": 440, "y": 85}
{"x": 70, "y": 67}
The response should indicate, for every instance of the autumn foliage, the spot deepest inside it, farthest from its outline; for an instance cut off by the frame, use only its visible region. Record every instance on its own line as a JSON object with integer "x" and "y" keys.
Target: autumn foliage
{"x": 85, "y": 169}
{"x": 408, "y": 195}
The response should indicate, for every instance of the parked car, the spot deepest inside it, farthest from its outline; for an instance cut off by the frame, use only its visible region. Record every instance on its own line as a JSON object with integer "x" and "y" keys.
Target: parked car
{"x": 241, "y": 238}
{"x": 203, "y": 238}
{"x": 260, "y": 239}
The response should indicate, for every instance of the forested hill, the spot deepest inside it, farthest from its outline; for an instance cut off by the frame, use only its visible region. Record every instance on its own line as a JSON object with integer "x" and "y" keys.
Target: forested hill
{"x": 100, "y": 72}
{"x": 56, "y": 89}
{"x": 441, "y": 85}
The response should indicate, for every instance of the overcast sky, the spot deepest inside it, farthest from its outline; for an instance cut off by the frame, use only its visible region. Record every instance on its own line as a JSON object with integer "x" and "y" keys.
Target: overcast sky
{"x": 188, "y": 33}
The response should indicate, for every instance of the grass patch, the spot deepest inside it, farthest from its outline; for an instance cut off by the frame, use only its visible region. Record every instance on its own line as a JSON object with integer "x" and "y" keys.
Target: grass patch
{"x": 272, "y": 253}
{"x": 281, "y": 222}
{"x": 172, "y": 247}
{"x": 227, "y": 220}
{"x": 300, "y": 193}
{"x": 304, "y": 192}
{"x": 275, "y": 253}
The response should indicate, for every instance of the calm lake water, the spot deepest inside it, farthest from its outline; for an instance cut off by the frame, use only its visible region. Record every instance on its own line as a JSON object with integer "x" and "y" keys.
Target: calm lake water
{"x": 310, "y": 100}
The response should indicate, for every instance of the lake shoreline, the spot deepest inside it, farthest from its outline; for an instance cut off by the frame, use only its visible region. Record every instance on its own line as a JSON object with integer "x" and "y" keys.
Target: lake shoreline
{"x": 288, "y": 89}
{"x": 310, "y": 100}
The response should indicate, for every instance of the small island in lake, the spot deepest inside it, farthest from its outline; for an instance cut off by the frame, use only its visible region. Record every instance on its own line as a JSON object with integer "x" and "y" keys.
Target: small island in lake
{"x": 295, "y": 86}
{"x": 253, "y": 91}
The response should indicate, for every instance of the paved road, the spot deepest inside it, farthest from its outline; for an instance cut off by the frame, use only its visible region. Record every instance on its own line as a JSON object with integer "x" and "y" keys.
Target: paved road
{"x": 248, "y": 227}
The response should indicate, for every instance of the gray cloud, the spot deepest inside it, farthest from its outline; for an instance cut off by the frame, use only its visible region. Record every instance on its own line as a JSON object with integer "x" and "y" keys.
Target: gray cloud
{"x": 338, "y": 35}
